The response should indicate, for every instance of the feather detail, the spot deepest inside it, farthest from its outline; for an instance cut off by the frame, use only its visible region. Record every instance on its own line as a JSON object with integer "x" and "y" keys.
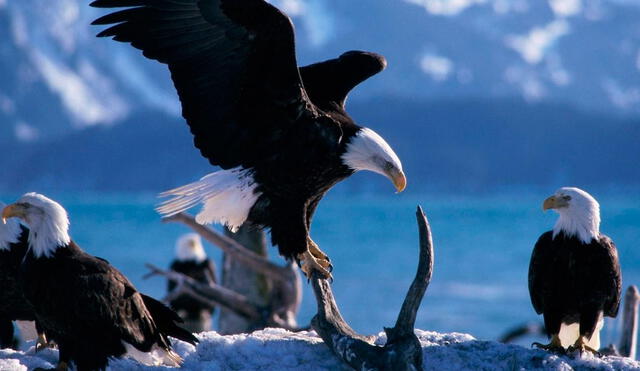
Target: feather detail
{"x": 227, "y": 195}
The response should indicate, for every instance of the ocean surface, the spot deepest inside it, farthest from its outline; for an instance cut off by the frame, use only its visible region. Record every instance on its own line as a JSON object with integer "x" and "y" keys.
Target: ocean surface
{"x": 482, "y": 248}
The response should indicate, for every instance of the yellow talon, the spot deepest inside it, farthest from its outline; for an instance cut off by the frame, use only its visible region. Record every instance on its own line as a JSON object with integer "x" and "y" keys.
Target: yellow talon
{"x": 309, "y": 263}
{"x": 315, "y": 251}
{"x": 581, "y": 346}
{"x": 554, "y": 346}
{"x": 42, "y": 342}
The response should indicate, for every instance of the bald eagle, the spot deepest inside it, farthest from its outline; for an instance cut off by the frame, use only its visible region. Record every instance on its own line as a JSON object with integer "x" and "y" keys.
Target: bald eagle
{"x": 192, "y": 261}
{"x": 574, "y": 274}
{"x": 280, "y": 133}
{"x": 85, "y": 305}
{"x": 13, "y": 305}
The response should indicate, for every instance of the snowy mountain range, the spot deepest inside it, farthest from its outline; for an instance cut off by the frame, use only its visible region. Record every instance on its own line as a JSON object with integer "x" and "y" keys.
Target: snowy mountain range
{"x": 56, "y": 74}
{"x": 56, "y": 77}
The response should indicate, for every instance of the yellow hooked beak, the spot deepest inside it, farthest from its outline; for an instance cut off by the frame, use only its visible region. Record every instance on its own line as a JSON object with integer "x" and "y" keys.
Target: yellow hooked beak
{"x": 12, "y": 211}
{"x": 398, "y": 179}
{"x": 554, "y": 202}
{"x": 549, "y": 203}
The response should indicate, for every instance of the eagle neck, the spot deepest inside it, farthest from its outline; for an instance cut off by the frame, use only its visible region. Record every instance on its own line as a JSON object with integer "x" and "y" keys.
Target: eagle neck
{"x": 47, "y": 239}
{"x": 583, "y": 223}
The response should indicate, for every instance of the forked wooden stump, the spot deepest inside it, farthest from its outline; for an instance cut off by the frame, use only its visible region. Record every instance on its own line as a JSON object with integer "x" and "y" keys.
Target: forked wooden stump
{"x": 402, "y": 350}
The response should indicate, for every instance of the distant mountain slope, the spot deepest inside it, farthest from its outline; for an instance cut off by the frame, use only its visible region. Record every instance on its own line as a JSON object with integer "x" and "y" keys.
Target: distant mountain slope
{"x": 149, "y": 151}
{"x": 55, "y": 76}
{"x": 446, "y": 145}
{"x": 480, "y": 144}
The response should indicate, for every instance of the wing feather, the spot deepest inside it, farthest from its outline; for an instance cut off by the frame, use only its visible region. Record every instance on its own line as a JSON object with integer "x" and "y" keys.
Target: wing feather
{"x": 330, "y": 82}
{"x": 539, "y": 275}
{"x": 608, "y": 270}
{"x": 233, "y": 64}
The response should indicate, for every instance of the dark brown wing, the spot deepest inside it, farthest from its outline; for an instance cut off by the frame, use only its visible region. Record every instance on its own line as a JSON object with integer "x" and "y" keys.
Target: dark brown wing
{"x": 233, "y": 64}
{"x": 104, "y": 299}
{"x": 540, "y": 278}
{"x": 607, "y": 270}
{"x": 330, "y": 82}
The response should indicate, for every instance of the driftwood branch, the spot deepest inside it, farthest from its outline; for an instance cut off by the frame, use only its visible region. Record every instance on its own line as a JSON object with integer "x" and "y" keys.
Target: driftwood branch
{"x": 284, "y": 281}
{"x": 258, "y": 263}
{"x": 214, "y": 294}
{"x": 629, "y": 336}
{"x": 402, "y": 350}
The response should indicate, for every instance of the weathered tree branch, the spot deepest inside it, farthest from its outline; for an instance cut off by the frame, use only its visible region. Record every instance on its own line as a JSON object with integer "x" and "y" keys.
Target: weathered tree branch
{"x": 285, "y": 284}
{"x": 258, "y": 263}
{"x": 275, "y": 315}
{"x": 244, "y": 279}
{"x": 217, "y": 294}
{"x": 629, "y": 336}
{"x": 402, "y": 350}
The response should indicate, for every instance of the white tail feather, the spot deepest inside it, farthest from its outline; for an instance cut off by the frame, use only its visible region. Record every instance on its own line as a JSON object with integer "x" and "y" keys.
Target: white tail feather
{"x": 570, "y": 333}
{"x": 156, "y": 357}
{"x": 227, "y": 195}
{"x": 28, "y": 330}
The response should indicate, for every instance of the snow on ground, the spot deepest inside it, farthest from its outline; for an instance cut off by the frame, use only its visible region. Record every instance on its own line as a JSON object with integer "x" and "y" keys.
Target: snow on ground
{"x": 277, "y": 349}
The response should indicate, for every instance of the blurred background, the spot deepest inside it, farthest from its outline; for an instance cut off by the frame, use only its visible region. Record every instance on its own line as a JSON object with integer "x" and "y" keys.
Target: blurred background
{"x": 490, "y": 104}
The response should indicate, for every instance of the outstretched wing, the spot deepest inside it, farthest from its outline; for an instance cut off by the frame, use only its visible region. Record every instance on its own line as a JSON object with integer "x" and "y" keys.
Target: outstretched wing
{"x": 329, "y": 82}
{"x": 232, "y": 62}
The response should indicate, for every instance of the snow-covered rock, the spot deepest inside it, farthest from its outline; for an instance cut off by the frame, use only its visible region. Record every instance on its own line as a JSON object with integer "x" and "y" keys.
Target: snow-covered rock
{"x": 277, "y": 349}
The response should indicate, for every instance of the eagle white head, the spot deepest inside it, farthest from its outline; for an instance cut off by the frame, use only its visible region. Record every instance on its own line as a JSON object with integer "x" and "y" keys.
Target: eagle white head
{"x": 189, "y": 248}
{"x": 368, "y": 151}
{"x": 47, "y": 220}
{"x": 579, "y": 213}
{"x": 9, "y": 231}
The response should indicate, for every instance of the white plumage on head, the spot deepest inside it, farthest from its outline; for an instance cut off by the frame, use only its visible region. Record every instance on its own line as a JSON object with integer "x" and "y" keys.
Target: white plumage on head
{"x": 189, "y": 248}
{"x": 9, "y": 231}
{"x": 48, "y": 224}
{"x": 369, "y": 151}
{"x": 581, "y": 216}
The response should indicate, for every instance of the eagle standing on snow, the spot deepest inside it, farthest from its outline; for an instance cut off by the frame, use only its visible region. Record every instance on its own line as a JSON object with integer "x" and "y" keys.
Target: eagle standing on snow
{"x": 574, "y": 274}
{"x": 192, "y": 261}
{"x": 280, "y": 133}
{"x": 85, "y": 305}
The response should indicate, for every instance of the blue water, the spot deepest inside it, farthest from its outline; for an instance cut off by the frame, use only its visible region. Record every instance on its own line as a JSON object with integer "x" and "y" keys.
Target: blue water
{"x": 482, "y": 249}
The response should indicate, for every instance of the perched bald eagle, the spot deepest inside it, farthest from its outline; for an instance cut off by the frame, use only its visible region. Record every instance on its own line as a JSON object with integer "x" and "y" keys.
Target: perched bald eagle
{"x": 192, "y": 261}
{"x": 280, "y": 133}
{"x": 574, "y": 274}
{"x": 13, "y": 305}
{"x": 85, "y": 305}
